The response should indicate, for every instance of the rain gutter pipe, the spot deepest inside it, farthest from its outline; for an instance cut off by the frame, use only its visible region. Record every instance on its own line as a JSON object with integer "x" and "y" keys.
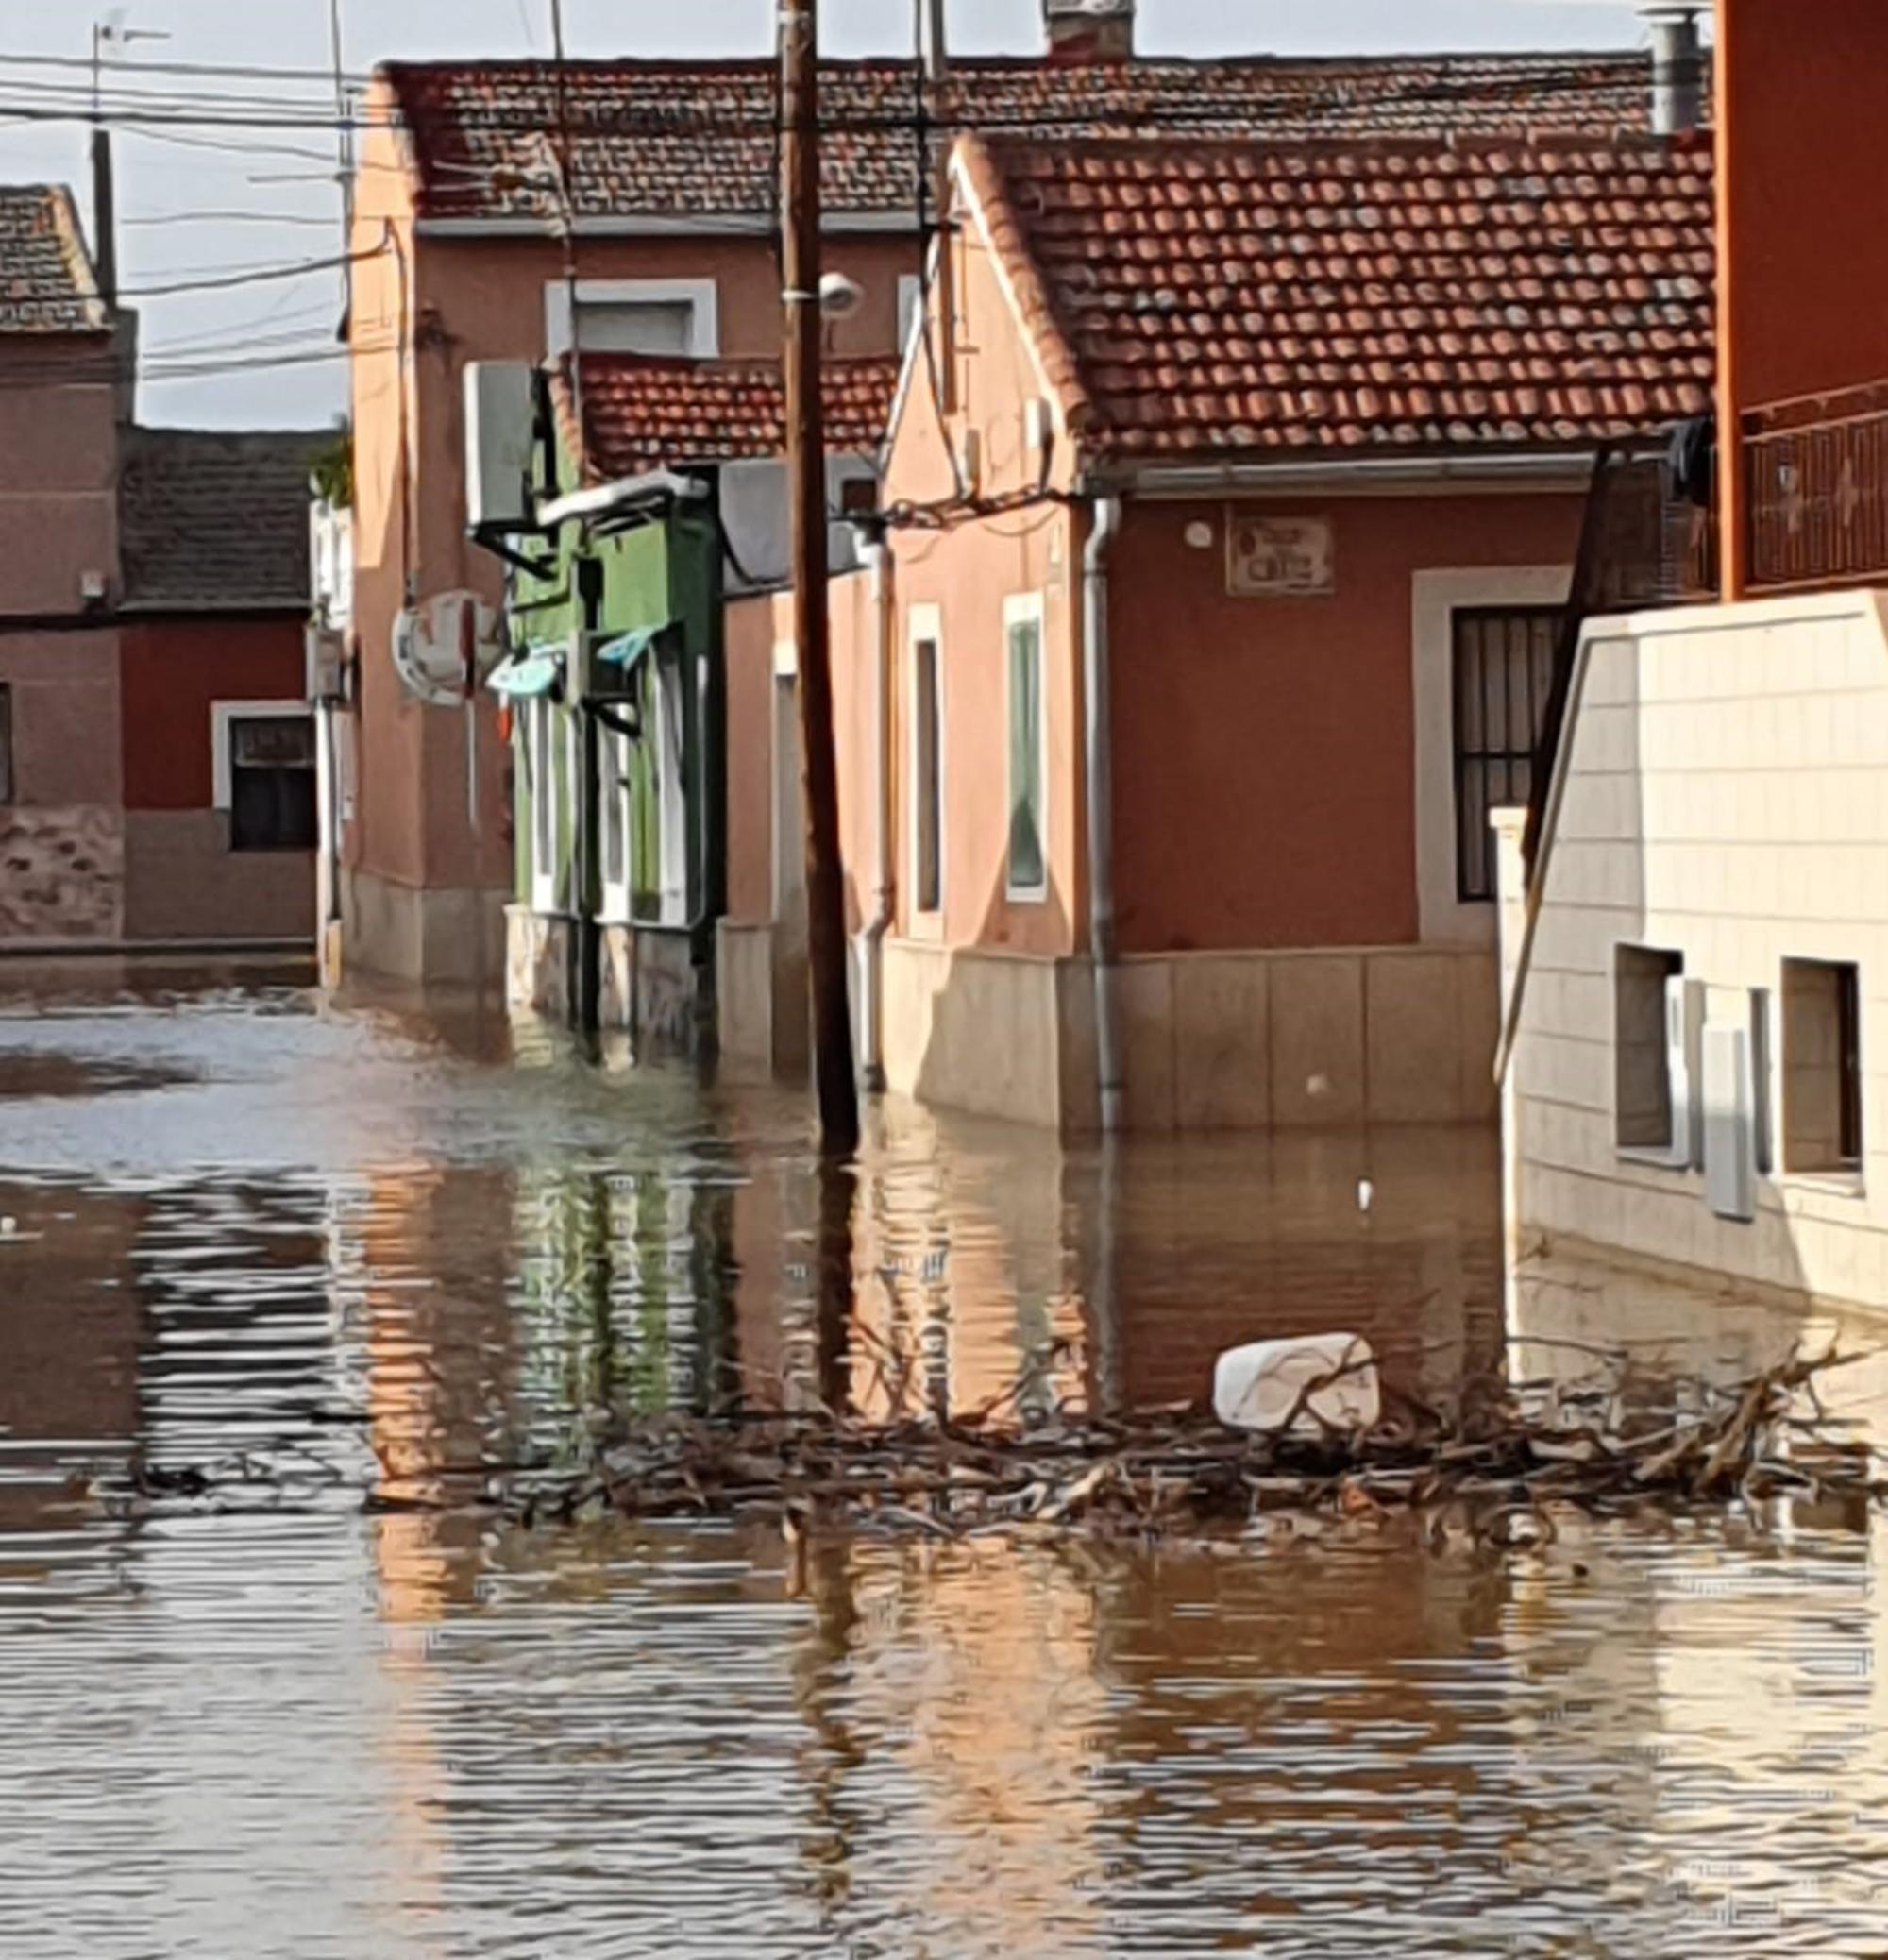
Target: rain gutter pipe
{"x": 872, "y": 548}
{"x": 1100, "y": 773}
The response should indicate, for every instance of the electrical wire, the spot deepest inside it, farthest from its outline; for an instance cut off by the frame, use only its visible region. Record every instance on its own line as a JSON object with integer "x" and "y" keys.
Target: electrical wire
{"x": 253, "y": 276}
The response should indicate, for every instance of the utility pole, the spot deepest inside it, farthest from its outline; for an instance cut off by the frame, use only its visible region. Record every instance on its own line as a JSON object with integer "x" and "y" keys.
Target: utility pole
{"x": 938, "y": 69}
{"x": 806, "y": 470}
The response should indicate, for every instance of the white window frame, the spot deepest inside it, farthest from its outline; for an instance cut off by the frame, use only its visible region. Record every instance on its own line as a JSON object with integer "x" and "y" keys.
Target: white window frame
{"x": 541, "y": 725}
{"x": 1446, "y": 918}
{"x": 1027, "y": 609}
{"x": 616, "y": 757}
{"x": 670, "y": 758}
{"x": 926, "y": 623}
{"x": 701, "y": 295}
{"x": 222, "y": 714}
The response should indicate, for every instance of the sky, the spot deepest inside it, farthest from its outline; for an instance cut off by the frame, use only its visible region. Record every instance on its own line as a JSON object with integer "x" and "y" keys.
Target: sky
{"x": 196, "y": 203}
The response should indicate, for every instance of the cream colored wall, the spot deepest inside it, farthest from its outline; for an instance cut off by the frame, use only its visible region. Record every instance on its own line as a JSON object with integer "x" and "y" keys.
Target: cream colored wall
{"x": 1210, "y": 1041}
{"x": 1725, "y": 795}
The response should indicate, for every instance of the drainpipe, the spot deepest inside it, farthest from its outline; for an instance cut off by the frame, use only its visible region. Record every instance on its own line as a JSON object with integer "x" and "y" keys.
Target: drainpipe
{"x": 872, "y": 548}
{"x": 1101, "y": 533}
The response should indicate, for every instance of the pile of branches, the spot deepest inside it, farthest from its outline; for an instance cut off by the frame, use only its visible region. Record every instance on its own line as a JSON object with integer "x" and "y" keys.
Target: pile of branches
{"x": 1502, "y": 1463}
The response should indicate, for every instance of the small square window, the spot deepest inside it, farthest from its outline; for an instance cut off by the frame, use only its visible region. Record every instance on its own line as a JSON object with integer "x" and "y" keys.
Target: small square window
{"x": 272, "y": 802}
{"x": 1821, "y": 1065}
{"x": 1649, "y": 1100}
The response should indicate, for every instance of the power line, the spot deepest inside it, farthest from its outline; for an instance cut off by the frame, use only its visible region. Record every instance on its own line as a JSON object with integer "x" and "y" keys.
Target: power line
{"x": 254, "y": 276}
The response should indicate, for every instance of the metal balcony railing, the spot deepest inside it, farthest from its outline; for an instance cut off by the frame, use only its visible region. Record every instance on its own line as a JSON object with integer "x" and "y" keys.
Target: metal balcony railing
{"x": 1817, "y": 487}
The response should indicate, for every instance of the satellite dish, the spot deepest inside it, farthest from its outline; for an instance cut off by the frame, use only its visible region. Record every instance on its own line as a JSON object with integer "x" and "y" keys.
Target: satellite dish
{"x": 444, "y": 650}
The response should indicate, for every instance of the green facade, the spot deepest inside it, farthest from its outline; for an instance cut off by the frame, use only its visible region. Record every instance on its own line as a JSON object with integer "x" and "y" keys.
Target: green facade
{"x": 603, "y": 579}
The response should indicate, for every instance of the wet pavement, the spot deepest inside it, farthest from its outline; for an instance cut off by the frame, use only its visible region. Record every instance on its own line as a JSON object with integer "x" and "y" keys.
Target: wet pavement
{"x": 357, "y": 1244}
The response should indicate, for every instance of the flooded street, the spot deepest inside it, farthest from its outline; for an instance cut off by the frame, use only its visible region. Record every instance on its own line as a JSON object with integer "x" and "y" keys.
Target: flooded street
{"x": 360, "y": 1245}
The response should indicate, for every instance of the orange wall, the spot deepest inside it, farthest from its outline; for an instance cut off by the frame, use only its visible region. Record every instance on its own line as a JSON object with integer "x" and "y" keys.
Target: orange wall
{"x": 1264, "y": 750}
{"x": 753, "y": 628}
{"x": 749, "y": 633}
{"x": 967, "y": 571}
{"x": 1802, "y": 181}
{"x": 463, "y": 299}
{"x": 1803, "y": 92}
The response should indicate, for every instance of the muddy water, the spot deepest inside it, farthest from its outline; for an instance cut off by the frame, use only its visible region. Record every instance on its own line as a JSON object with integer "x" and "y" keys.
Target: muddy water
{"x": 355, "y": 1244}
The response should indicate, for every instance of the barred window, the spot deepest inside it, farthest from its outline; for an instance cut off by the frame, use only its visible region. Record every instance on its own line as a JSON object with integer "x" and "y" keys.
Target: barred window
{"x": 1504, "y": 673}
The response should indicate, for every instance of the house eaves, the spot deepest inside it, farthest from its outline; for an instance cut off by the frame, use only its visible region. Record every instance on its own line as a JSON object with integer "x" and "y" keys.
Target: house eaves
{"x": 869, "y": 224}
{"x": 1540, "y": 470}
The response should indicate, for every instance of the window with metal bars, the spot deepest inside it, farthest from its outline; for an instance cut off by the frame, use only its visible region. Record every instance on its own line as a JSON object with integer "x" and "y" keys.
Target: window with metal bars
{"x": 1504, "y": 673}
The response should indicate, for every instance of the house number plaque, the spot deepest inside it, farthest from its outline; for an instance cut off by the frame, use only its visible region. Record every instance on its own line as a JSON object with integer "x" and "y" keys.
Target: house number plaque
{"x": 1279, "y": 557}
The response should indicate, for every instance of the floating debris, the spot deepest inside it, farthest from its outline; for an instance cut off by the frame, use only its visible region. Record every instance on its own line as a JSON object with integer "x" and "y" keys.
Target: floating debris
{"x": 1495, "y": 1471}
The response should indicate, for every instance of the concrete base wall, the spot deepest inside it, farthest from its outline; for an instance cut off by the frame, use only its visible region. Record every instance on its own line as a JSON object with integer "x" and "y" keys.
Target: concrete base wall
{"x": 976, "y": 1031}
{"x": 1209, "y": 1041}
{"x": 763, "y": 1006}
{"x": 1309, "y": 1040}
{"x": 183, "y": 882}
{"x": 62, "y": 875}
{"x": 671, "y": 1000}
{"x": 649, "y": 988}
{"x": 454, "y": 936}
{"x": 537, "y": 965}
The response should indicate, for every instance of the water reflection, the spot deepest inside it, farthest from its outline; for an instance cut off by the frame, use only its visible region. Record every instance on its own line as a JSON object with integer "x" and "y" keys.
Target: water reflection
{"x": 362, "y": 1251}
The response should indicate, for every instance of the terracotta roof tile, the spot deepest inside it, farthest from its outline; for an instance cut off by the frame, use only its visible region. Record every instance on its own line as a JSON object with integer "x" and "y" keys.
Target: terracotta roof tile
{"x": 1274, "y": 331}
{"x": 640, "y": 412}
{"x": 676, "y": 139}
{"x": 47, "y": 281}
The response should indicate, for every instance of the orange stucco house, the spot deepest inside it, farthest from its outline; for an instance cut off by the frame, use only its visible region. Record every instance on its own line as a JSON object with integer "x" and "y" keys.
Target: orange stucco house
{"x": 661, "y": 178}
{"x": 1221, "y": 580}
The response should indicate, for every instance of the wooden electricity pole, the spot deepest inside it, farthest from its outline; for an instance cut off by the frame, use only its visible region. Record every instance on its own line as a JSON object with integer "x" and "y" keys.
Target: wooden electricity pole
{"x": 806, "y": 472}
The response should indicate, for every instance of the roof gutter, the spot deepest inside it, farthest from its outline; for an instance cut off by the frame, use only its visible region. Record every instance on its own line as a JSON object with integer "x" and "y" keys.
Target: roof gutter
{"x": 1544, "y": 469}
{"x": 693, "y": 225}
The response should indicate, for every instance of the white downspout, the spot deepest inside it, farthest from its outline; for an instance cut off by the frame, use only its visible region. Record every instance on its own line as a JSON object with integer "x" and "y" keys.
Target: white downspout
{"x": 878, "y": 923}
{"x": 1102, "y": 534}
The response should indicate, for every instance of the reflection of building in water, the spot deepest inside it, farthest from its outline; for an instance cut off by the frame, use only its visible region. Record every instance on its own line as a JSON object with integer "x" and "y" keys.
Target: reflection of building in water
{"x": 966, "y": 1273}
{"x": 989, "y": 1259}
{"x": 953, "y": 1701}
{"x": 1393, "y": 1234}
{"x": 1758, "y": 1678}
{"x": 71, "y": 1328}
{"x": 623, "y": 1280}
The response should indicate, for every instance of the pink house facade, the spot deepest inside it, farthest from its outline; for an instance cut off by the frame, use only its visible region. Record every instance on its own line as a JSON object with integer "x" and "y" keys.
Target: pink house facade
{"x": 1218, "y": 602}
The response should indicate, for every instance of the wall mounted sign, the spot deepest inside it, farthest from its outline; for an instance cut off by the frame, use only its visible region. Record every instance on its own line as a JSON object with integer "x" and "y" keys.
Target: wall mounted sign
{"x": 1279, "y": 557}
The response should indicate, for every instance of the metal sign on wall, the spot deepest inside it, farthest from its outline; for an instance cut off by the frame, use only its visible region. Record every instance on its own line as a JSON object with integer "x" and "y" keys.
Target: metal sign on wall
{"x": 1279, "y": 557}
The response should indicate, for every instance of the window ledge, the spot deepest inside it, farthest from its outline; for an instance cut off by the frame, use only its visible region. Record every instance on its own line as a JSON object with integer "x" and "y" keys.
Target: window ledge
{"x": 1824, "y": 1184}
{"x": 1650, "y": 1160}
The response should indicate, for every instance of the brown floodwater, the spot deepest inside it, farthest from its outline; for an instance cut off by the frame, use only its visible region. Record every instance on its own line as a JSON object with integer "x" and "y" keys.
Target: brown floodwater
{"x": 347, "y": 1243}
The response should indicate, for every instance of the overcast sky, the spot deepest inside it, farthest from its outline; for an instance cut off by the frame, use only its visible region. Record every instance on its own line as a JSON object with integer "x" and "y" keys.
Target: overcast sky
{"x": 196, "y": 203}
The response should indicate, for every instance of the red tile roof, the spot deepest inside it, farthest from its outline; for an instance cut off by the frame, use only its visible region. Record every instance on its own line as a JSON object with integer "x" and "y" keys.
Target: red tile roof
{"x": 666, "y": 139}
{"x": 47, "y": 281}
{"x": 640, "y": 412}
{"x": 1194, "y": 299}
